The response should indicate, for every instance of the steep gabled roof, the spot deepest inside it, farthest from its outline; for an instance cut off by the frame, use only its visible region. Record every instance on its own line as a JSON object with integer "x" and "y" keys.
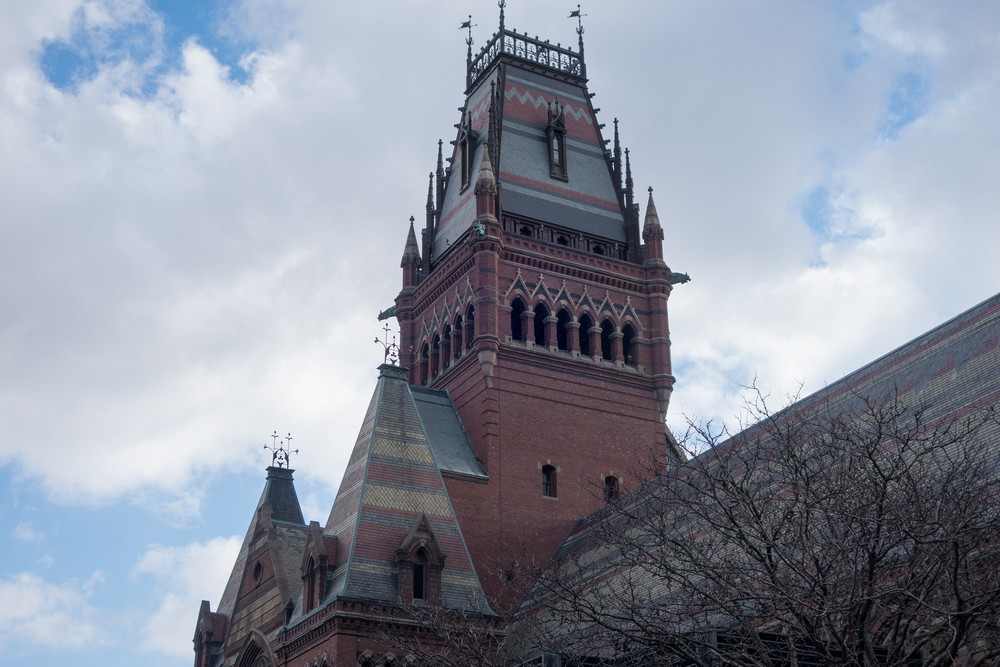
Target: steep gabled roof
{"x": 391, "y": 480}
{"x": 279, "y": 495}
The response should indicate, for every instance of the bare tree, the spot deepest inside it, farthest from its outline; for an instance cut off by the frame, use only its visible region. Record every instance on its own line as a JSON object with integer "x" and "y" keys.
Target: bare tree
{"x": 868, "y": 534}
{"x": 432, "y": 635}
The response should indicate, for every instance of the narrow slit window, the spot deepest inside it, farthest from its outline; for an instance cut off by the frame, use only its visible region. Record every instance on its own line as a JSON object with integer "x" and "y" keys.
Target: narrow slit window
{"x": 549, "y": 481}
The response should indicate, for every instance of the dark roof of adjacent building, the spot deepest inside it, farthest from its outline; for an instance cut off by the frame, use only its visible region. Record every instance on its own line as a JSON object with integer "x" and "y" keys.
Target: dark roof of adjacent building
{"x": 947, "y": 373}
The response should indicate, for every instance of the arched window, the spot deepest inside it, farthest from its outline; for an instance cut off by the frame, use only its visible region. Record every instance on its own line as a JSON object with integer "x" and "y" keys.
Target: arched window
{"x": 541, "y": 314}
{"x": 310, "y": 586}
{"x": 517, "y": 311}
{"x": 549, "y": 481}
{"x": 562, "y": 333}
{"x": 425, "y": 353}
{"x": 435, "y": 356}
{"x": 458, "y": 345}
{"x": 610, "y": 488}
{"x": 606, "y": 330}
{"x": 446, "y": 347}
{"x": 419, "y": 575}
{"x": 629, "y": 347}
{"x": 586, "y": 324}
{"x": 470, "y": 327}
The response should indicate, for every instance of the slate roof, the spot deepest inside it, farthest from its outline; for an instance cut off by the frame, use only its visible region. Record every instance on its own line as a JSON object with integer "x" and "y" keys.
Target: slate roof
{"x": 586, "y": 202}
{"x": 393, "y": 478}
{"x": 947, "y": 372}
{"x": 279, "y": 492}
{"x": 446, "y": 435}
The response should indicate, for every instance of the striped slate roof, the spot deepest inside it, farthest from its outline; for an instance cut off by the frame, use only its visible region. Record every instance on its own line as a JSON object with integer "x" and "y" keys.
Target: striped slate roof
{"x": 279, "y": 493}
{"x": 391, "y": 480}
{"x": 586, "y": 202}
{"x": 946, "y": 373}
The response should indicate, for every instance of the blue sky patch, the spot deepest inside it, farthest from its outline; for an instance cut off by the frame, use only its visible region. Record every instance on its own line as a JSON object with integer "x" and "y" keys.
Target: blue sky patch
{"x": 151, "y": 39}
{"x": 817, "y": 211}
{"x": 907, "y": 102}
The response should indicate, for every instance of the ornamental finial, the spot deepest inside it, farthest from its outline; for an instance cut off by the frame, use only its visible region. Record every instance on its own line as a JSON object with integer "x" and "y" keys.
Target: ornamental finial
{"x": 280, "y": 457}
{"x": 391, "y": 350}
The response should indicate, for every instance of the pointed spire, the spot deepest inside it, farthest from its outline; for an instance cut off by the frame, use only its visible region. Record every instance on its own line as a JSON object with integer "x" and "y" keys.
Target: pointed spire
{"x": 629, "y": 193}
{"x": 501, "y": 4}
{"x": 652, "y": 232}
{"x": 410, "y": 263}
{"x": 494, "y": 125}
{"x": 412, "y": 250}
{"x": 440, "y": 175}
{"x": 486, "y": 186}
{"x": 652, "y": 219}
{"x": 430, "y": 200}
{"x": 617, "y": 158}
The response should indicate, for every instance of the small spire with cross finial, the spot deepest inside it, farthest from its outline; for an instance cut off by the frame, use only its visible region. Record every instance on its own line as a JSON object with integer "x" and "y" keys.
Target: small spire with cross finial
{"x": 280, "y": 456}
{"x": 391, "y": 350}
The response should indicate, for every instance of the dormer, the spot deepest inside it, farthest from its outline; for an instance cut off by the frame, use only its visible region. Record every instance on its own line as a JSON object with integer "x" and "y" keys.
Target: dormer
{"x": 318, "y": 555}
{"x": 419, "y": 561}
{"x": 555, "y": 134}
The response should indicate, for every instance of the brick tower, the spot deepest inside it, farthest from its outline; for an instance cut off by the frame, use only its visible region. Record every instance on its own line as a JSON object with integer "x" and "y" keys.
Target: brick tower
{"x": 532, "y": 302}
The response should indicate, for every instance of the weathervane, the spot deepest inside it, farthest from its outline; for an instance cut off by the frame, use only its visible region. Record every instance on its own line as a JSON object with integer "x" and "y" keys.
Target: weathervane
{"x": 578, "y": 15}
{"x": 470, "y": 25}
{"x": 391, "y": 355}
{"x": 280, "y": 457}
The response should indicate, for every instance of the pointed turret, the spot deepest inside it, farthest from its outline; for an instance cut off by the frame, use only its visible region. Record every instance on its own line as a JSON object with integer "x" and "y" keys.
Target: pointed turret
{"x": 411, "y": 259}
{"x": 486, "y": 188}
{"x": 652, "y": 232}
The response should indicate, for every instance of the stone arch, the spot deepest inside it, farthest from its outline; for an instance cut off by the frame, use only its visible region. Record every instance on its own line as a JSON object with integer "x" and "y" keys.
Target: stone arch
{"x": 256, "y": 652}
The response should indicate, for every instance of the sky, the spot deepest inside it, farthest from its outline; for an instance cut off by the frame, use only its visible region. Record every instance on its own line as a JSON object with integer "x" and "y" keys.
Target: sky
{"x": 203, "y": 206}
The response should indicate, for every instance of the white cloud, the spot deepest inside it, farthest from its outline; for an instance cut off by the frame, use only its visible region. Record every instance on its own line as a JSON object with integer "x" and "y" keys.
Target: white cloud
{"x": 189, "y": 269}
{"x": 183, "y": 576}
{"x": 24, "y": 531}
{"x": 37, "y": 613}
